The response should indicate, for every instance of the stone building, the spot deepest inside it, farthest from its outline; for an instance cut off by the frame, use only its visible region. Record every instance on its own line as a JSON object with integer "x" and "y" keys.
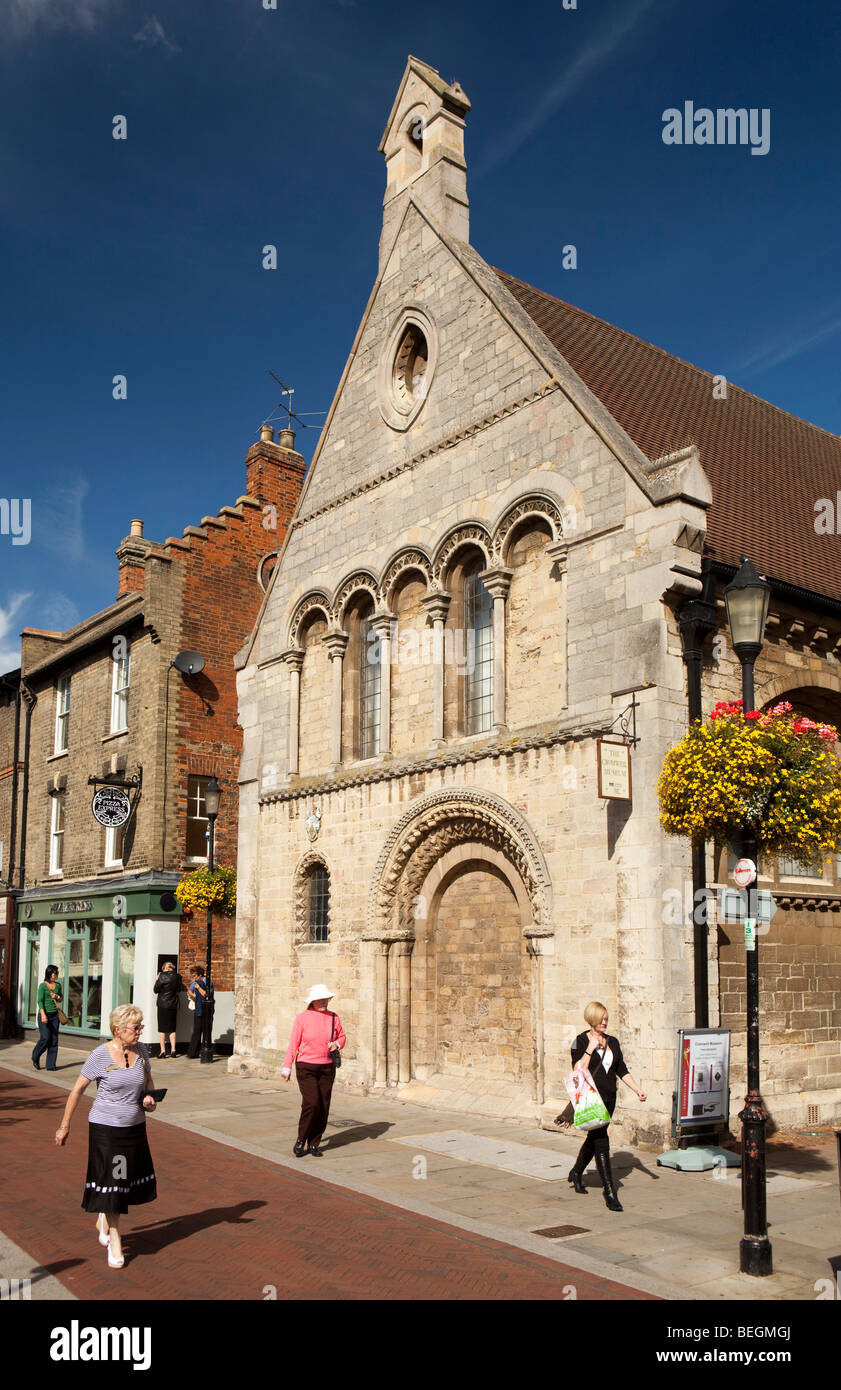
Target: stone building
{"x": 510, "y": 505}
{"x": 107, "y": 702}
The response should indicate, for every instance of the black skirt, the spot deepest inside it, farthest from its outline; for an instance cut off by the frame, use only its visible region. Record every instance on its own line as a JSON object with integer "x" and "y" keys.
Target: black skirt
{"x": 120, "y": 1169}
{"x": 167, "y": 1019}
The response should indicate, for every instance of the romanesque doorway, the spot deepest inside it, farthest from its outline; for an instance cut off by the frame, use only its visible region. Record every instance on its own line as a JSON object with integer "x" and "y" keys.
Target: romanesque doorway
{"x": 480, "y": 973}
{"x": 459, "y": 913}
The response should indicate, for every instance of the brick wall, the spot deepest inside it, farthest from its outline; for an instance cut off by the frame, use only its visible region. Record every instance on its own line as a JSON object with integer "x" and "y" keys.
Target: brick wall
{"x": 219, "y": 564}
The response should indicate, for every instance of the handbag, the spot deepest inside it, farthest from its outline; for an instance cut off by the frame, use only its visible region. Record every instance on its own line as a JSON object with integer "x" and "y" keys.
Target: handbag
{"x": 62, "y": 1016}
{"x": 337, "y": 1055}
{"x": 589, "y": 1110}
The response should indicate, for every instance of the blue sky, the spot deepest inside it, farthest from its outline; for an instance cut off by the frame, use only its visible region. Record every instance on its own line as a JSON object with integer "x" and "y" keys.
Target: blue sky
{"x": 249, "y": 127}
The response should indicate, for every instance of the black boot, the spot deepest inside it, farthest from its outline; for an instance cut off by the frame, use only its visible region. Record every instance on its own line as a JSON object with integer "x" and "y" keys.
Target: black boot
{"x": 610, "y": 1197}
{"x": 575, "y": 1177}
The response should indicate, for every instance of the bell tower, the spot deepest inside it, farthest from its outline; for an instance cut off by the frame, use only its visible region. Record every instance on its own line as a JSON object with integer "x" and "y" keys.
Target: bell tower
{"x": 423, "y": 145}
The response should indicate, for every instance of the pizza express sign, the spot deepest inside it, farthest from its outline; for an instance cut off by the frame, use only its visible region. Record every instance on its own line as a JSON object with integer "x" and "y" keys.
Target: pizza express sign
{"x": 111, "y": 807}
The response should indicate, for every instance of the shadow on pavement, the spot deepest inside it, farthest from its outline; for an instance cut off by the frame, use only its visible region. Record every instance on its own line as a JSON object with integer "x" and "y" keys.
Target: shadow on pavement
{"x": 624, "y": 1163}
{"x": 149, "y": 1240}
{"x": 799, "y": 1158}
{"x": 56, "y": 1269}
{"x": 353, "y": 1136}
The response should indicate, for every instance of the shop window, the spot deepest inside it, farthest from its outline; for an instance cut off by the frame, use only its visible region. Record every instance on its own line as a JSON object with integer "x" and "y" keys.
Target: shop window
{"x": 124, "y": 966}
{"x": 34, "y": 975}
{"x": 77, "y": 950}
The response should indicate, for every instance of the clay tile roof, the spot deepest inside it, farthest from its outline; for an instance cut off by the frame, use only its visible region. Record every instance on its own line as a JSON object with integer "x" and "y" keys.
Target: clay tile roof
{"x": 767, "y": 468}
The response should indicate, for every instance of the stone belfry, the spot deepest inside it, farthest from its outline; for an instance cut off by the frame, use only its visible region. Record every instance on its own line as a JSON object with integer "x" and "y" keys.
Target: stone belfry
{"x": 423, "y": 145}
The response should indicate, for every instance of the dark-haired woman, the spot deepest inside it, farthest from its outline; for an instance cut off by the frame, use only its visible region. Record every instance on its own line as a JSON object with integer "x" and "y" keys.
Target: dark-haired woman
{"x": 49, "y": 998}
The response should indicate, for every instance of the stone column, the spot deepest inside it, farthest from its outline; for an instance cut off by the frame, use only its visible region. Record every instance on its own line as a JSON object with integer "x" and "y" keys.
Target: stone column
{"x": 294, "y": 659}
{"x": 540, "y": 942}
{"x": 403, "y": 950}
{"x": 558, "y": 553}
{"x": 437, "y": 605}
{"x": 498, "y": 582}
{"x": 336, "y": 644}
{"x": 381, "y": 1012}
{"x": 381, "y": 624}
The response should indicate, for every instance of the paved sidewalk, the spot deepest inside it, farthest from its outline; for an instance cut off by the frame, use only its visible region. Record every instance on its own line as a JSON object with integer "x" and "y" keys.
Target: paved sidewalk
{"x": 229, "y": 1226}
{"x": 677, "y": 1238}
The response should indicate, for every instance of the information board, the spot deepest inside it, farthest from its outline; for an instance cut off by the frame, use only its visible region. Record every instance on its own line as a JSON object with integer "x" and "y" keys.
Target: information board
{"x": 703, "y": 1077}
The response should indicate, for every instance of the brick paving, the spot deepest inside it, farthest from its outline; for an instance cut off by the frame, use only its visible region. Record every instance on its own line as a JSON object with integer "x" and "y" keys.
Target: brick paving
{"x": 226, "y": 1225}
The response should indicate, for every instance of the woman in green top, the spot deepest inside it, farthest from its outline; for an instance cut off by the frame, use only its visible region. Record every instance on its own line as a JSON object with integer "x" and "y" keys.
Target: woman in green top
{"x": 49, "y": 998}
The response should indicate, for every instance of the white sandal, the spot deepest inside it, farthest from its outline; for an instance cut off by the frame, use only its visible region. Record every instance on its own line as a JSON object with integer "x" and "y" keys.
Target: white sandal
{"x": 104, "y": 1238}
{"x": 113, "y": 1262}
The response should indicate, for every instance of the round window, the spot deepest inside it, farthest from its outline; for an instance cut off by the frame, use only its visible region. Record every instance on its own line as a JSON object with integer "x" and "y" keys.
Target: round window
{"x": 407, "y": 365}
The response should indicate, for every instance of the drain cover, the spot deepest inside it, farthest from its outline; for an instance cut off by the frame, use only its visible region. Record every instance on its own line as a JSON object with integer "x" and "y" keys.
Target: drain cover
{"x": 558, "y": 1232}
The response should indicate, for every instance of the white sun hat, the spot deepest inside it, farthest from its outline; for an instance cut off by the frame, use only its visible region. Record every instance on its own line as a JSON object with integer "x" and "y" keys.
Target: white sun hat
{"x": 318, "y": 992}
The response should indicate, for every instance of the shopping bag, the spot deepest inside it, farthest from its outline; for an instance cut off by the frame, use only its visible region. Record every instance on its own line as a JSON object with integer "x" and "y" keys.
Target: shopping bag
{"x": 589, "y": 1111}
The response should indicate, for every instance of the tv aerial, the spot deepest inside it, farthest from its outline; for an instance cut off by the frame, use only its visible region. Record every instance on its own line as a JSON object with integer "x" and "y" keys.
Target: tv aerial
{"x": 286, "y": 406}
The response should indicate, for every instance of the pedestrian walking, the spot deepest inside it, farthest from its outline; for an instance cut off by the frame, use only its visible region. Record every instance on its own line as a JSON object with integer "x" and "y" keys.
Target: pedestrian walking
{"x": 49, "y": 1018}
{"x": 120, "y": 1169}
{"x": 198, "y": 1000}
{"x": 600, "y": 1054}
{"x": 168, "y": 987}
{"x": 315, "y": 1048}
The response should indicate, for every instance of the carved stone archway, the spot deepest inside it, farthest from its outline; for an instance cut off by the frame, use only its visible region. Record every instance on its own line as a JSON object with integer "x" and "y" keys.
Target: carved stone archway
{"x": 440, "y": 834}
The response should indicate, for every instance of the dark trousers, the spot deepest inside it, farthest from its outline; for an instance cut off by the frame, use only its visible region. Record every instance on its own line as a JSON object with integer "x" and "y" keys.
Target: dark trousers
{"x": 316, "y": 1084}
{"x": 47, "y": 1040}
{"x": 194, "y": 1047}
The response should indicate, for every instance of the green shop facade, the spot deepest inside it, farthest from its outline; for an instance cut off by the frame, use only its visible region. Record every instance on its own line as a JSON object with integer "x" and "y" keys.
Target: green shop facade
{"x": 108, "y": 944}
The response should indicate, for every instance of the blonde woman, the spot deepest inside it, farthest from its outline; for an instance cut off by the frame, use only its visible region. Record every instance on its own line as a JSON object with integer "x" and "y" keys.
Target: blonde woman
{"x": 120, "y": 1169}
{"x": 600, "y": 1054}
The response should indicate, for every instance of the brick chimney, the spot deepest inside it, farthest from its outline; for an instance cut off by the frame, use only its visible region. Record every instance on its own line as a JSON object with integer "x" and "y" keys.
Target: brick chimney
{"x": 274, "y": 472}
{"x": 132, "y": 558}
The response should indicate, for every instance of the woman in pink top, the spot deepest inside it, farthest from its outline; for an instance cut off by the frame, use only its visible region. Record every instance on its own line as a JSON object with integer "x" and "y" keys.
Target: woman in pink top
{"x": 316, "y": 1035}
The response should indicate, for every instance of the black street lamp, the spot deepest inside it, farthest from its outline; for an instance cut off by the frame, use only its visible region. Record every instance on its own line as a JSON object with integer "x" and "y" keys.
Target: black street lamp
{"x": 747, "y": 599}
{"x": 212, "y": 795}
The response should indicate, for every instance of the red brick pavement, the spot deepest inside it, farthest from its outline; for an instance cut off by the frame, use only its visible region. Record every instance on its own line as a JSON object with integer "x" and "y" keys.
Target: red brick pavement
{"x": 226, "y": 1225}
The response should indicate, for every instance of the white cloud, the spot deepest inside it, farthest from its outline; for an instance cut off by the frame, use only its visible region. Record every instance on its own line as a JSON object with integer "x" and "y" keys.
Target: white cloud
{"x": 787, "y": 345}
{"x": 58, "y": 524}
{"x": 58, "y": 613}
{"x": 583, "y": 66}
{"x": 9, "y": 638}
{"x": 18, "y": 18}
{"x": 152, "y": 33}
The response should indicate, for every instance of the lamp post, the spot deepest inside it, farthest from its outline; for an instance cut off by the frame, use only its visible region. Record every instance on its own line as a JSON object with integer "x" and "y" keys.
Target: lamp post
{"x": 212, "y": 795}
{"x": 747, "y": 599}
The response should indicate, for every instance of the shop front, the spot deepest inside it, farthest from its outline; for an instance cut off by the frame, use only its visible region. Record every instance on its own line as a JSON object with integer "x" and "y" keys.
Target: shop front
{"x": 107, "y": 945}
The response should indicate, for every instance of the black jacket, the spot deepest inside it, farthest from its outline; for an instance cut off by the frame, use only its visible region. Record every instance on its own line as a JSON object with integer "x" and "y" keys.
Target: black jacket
{"x": 605, "y": 1082}
{"x": 168, "y": 986}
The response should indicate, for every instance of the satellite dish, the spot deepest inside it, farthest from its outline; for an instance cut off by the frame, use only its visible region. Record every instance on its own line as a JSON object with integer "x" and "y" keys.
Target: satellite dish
{"x": 189, "y": 663}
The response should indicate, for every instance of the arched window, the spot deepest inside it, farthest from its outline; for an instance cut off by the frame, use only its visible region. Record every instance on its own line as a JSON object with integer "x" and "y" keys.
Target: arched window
{"x": 478, "y": 626}
{"x": 370, "y": 689}
{"x": 318, "y": 904}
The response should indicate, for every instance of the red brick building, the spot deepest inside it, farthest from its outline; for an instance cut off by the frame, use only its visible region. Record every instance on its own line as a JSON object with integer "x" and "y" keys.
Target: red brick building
{"x": 110, "y": 704}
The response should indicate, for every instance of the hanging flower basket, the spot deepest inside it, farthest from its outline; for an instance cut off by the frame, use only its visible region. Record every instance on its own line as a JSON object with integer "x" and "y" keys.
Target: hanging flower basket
{"x": 204, "y": 888}
{"x": 776, "y": 772}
